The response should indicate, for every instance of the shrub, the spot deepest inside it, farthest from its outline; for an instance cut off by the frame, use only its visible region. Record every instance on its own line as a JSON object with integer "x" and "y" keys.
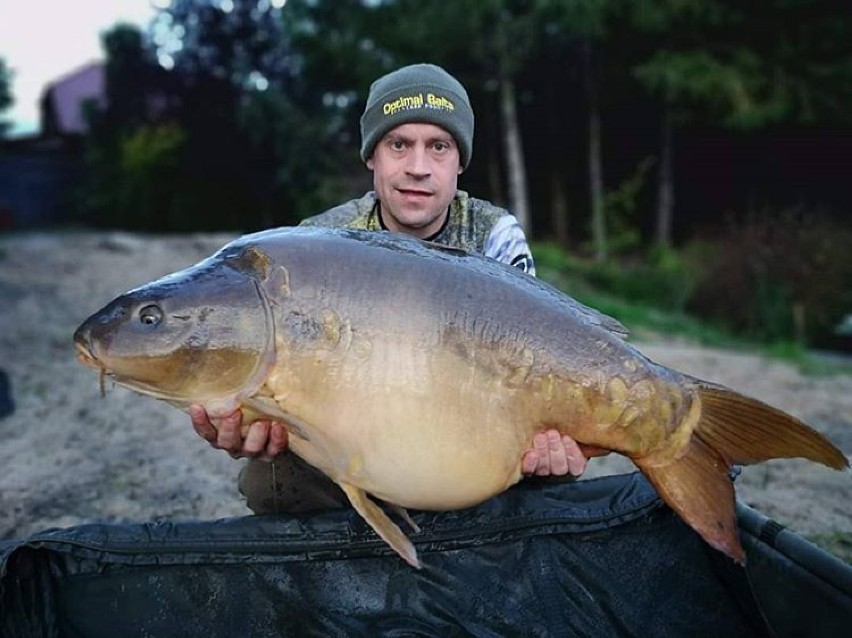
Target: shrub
{"x": 664, "y": 280}
{"x": 779, "y": 276}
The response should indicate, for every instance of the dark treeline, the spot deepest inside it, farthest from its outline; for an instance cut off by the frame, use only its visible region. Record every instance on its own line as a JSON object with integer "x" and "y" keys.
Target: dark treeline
{"x": 6, "y": 99}
{"x": 616, "y": 128}
{"x": 596, "y": 119}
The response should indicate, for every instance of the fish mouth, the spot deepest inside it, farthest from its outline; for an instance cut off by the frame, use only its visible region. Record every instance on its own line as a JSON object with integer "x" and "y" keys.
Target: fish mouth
{"x": 85, "y": 356}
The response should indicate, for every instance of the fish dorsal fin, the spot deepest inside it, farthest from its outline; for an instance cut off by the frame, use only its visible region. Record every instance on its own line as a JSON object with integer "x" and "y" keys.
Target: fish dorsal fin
{"x": 590, "y": 315}
{"x": 255, "y": 408}
{"x": 452, "y": 250}
{"x": 597, "y": 318}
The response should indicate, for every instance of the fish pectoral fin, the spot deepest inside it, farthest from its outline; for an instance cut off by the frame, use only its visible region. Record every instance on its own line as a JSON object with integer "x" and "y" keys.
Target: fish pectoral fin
{"x": 697, "y": 486}
{"x": 383, "y": 526}
{"x": 255, "y": 409}
{"x": 404, "y": 515}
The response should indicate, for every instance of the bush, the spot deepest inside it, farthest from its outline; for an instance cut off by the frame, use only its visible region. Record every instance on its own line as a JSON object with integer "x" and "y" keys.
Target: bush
{"x": 776, "y": 277}
{"x": 665, "y": 279}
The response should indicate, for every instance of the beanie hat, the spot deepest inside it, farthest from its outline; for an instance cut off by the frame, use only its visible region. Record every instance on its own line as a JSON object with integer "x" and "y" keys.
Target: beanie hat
{"x": 421, "y": 93}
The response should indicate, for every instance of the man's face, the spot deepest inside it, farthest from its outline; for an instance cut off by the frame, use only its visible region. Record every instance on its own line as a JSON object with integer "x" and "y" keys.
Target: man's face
{"x": 415, "y": 175}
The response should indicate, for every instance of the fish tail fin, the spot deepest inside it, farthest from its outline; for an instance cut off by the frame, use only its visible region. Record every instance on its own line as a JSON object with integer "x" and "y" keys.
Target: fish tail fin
{"x": 732, "y": 429}
{"x": 698, "y": 488}
{"x": 744, "y": 430}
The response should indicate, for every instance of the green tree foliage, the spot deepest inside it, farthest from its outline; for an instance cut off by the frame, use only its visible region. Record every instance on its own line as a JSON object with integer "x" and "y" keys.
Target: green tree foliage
{"x": 222, "y": 56}
{"x": 268, "y": 99}
{"x": 137, "y": 105}
{"x": 216, "y": 141}
{"x": 150, "y": 162}
{"x": 335, "y": 58}
{"x": 697, "y": 70}
{"x": 705, "y": 61}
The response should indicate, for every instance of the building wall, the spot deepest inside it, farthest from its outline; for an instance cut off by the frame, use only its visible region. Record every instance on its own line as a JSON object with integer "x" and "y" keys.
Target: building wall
{"x": 38, "y": 184}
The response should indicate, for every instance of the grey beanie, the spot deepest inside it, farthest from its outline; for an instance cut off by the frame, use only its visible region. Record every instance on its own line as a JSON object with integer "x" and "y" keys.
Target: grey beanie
{"x": 422, "y": 93}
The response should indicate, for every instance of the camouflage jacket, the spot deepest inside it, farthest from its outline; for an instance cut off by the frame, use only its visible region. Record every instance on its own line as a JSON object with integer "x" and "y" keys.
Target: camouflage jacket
{"x": 473, "y": 224}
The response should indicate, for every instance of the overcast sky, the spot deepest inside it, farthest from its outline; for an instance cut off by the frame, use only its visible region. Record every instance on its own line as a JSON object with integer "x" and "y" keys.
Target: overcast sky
{"x": 42, "y": 40}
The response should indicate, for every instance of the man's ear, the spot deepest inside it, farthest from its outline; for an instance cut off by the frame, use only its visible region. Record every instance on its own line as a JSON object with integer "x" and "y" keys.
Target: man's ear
{"x": 369, "y": 162}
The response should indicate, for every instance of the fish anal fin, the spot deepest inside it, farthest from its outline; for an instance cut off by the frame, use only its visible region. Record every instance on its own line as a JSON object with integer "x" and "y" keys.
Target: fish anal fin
{"x": 381, "y": 523}
{"x": 698, "y": 488}
{"x": 404, "y": 515}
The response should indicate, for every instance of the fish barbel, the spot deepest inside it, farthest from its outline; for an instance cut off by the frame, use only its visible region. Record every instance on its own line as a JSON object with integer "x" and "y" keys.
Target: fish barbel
{"x": 418, "y": 374}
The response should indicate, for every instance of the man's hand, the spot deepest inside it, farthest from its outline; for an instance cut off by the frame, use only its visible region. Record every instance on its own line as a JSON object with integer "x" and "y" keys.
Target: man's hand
{"x": 264, "y": 440}
{"x": 553, "y": 454}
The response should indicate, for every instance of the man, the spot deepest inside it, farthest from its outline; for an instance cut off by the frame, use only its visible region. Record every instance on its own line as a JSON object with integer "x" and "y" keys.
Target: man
{"x": 417, "y": 138}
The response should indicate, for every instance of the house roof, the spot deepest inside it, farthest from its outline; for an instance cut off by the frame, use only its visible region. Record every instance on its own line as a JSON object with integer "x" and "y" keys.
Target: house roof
{"x": 68, "y": 94}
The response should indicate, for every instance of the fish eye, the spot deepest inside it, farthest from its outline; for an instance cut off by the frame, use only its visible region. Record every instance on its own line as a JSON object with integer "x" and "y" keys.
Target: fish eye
{"x": 151, "y": 315}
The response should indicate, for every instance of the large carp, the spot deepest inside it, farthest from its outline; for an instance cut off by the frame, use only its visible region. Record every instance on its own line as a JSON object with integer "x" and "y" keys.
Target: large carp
{"x": 419, "y": 374}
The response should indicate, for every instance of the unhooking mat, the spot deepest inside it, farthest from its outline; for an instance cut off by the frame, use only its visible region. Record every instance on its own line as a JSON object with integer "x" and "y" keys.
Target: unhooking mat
{"x": 602, "y": 557}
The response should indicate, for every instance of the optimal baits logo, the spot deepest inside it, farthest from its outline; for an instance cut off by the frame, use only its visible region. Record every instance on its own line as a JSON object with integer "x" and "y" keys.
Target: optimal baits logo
{"x": 418, "y": 101}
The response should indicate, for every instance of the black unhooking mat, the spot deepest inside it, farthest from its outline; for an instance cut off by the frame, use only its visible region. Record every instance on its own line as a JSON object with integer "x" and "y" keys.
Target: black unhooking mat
{"x": 593, "y": 558}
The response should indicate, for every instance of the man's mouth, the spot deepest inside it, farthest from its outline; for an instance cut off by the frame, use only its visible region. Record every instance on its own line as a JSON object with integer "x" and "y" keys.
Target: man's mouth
{"x": 413, "y": 192}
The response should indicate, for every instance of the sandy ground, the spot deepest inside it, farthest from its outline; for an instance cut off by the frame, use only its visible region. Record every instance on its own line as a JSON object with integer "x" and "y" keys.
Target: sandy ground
{"x": 70, "y": 457}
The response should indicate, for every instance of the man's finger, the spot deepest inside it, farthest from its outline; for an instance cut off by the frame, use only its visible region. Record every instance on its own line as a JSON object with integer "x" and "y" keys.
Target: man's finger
{"x": 229, "y": 437}
{"x": 529, "y": 462}
{"x": 256, "y": 439}
{"x": 576, "y": 461}
{"x": 278, "y": 440}
{"x": 201, "y": 424}
{"x": 557, "y": 454}
{"x": 541, "y": 447}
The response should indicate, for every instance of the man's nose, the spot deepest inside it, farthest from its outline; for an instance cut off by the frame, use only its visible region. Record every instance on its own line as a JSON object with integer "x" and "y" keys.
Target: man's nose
{"x": 418, "y": 162}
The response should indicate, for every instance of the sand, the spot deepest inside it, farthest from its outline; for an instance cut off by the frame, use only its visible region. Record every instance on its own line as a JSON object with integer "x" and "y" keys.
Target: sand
{"x": 71, "y": 457}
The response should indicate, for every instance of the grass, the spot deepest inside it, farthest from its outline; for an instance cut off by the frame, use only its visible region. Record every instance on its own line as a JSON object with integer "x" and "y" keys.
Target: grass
{"x": 643, "y": 299}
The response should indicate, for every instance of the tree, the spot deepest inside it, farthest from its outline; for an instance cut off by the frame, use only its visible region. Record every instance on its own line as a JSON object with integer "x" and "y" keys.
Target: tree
{"x": 268, "y": 97}
{"x": 705, "y": 62}
{"x": 124, "y": 188}
{"x": 337, "y": 56}
{"x": 513, "y": 43}
{"x": 5, "y": 94}
{"x": 219, "y": 56}
{"x": 694, "y": 85}
{"x": 586, "y": 21}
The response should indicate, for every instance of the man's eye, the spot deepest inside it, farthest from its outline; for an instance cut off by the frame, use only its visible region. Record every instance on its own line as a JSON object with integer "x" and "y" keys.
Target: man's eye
{"x": 397, "y": 145}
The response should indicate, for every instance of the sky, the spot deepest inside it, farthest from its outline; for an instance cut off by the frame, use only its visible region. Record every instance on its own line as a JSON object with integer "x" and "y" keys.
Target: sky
{"x": 42, "y": 40}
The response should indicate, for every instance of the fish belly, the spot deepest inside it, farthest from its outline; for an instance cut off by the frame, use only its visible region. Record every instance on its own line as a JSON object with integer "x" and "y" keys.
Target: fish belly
{"x": 415, "y": 454}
